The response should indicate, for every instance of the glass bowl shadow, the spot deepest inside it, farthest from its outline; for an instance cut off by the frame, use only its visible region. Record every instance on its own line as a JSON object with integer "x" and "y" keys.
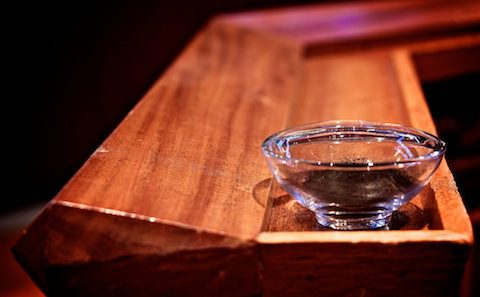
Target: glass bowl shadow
{"x": 353, "y": 174}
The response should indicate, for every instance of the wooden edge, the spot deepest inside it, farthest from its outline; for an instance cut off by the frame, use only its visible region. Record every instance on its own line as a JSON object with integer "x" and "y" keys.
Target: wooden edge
{"x": 381, "y": 237}
{"x": 446, "y": 44}
{"x": 140, "y": 217}
{"x": 443, "y": 184}
{"x": 115, "y": 236}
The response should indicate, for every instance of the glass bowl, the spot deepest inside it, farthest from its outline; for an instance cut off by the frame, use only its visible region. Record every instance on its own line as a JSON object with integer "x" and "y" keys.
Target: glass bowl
{"x": 353, "y": 174}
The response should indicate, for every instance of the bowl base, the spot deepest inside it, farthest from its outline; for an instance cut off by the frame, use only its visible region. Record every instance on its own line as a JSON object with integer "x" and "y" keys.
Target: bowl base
{"x": 354, "y": 222}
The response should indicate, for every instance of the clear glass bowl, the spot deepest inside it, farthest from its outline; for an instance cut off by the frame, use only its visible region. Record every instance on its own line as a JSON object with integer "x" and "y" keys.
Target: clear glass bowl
{"x": 353, "y": 174}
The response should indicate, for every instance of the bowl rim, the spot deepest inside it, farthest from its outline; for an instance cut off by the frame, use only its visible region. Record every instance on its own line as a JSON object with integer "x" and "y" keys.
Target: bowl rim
{"x": 437, "y": 152}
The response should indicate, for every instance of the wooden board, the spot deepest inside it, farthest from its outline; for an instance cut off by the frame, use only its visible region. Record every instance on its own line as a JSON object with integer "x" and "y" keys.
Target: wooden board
{"x": 189, "y": 149}
{"x": 178, "y": 200}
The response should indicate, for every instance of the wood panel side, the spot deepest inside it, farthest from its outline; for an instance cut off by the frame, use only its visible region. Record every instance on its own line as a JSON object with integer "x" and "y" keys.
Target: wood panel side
{"x": 350, "y": 268}
{"x": 74, "y": 251}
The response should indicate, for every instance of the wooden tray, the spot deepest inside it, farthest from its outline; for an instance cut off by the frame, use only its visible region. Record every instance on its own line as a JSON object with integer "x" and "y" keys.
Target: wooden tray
{"x": 178, "y": 200}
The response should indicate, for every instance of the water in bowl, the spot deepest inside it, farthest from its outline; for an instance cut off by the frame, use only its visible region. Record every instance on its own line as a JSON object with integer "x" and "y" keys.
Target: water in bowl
{"x": 352, "y": 190}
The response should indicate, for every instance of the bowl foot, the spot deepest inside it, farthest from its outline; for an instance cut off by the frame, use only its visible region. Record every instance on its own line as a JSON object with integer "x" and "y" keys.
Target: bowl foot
{"x": 357, "y": 221}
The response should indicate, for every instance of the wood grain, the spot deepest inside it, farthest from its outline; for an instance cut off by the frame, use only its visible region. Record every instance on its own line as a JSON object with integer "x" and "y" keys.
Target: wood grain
{"x": 178, "y": 201}
{"x": 189, "y": 152}
{"x": 351, "y": 268}
{"x": 351, "y": 87}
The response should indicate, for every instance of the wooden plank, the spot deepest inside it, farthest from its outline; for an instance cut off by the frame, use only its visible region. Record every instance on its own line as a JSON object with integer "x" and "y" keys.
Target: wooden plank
{"x": 351, "y": 87}
{"x": 189, "y": 151}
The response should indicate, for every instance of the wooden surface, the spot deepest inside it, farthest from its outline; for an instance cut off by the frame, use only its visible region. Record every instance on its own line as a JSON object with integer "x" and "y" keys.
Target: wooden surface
{"x": 178, "y": 200}
{"x": 189, "y": 150}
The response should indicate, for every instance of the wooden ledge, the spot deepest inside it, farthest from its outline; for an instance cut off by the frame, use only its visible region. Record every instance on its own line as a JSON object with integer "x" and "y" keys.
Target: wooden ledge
{"x": 177, "y": 200}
